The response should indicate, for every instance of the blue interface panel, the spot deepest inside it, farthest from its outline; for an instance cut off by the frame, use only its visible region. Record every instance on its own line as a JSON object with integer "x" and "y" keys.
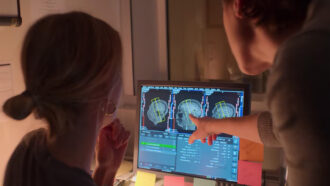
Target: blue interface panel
{"x": 165, "y": 128}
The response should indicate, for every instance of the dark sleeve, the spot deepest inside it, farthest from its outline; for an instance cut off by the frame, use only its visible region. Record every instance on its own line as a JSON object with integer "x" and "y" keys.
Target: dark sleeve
{"x": 298, "y": 98}
{"x": 265, "y": 128}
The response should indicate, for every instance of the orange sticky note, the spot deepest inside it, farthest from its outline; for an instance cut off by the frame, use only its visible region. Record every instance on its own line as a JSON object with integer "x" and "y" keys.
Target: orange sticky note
{"x": 173, "y": 181}
{"x": 145, "y": 179}
{"x": 249, "y": 173}
{"x": 251, "y": 151}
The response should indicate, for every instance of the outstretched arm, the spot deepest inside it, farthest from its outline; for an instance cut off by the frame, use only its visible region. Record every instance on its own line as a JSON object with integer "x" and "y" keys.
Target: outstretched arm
{"x": 243, "y": 127}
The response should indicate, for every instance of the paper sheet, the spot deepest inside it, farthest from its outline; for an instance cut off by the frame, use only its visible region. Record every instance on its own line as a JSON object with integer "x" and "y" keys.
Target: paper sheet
{"x": 6, "y": 86}
{"x": 40, "y": 8}
{"x": 173, "y": 181}
{"x": 8, "y": 8}
{"x": 249, "y": 173}
{"x": 203, "y": 182}
{"x": 145, "y": 179}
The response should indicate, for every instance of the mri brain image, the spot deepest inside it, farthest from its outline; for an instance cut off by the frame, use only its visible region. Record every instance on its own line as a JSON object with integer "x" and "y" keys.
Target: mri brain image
{"x": 186, "y": 107}
{"x": 223, "y": 110}
{"x": 157, "y": 111}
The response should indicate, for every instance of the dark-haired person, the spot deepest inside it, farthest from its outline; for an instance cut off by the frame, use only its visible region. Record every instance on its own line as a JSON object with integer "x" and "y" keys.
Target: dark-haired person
{"x": 292, "y": 37}
{"x": 71, "y": 64}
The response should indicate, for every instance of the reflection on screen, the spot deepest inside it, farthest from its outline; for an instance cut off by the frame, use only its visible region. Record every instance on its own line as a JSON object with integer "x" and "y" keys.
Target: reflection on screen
{"x": 165, "y": 128}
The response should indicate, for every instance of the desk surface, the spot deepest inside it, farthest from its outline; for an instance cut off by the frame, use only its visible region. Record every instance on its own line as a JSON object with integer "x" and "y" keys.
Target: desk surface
{"x": 125, "y": 167}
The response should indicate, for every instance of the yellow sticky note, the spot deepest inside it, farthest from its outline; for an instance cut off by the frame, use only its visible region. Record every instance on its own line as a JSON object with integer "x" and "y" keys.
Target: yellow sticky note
{"x": 145, "y": 179}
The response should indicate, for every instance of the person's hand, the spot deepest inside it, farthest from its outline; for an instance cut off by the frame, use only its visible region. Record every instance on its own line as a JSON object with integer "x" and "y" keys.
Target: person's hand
{"x": 201, "y": 132}
{"x": 110, "y": 150}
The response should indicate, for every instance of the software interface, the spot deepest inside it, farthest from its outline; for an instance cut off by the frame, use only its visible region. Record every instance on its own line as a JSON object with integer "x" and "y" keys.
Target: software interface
{"x": 165, "y": 128}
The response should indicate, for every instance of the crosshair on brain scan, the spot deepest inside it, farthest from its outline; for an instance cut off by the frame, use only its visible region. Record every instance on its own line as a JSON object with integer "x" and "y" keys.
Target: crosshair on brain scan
{"x": 157, "y": 111}
{"x": 223, "y": 110}
{"x": 186, "y": 107}
{"x": 165, "y": 128}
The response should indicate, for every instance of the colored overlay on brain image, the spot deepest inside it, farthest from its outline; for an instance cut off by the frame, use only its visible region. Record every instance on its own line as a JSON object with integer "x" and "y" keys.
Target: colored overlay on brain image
{"x": 157, "y": 111}
{"x": 186, "y": 107}
{"x": 223, "y": 110}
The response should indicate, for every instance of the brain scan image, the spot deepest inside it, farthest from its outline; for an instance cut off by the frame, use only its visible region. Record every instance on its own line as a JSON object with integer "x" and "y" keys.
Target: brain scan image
{"x": 157, "y": 111}
{"x": 223, "y": 110}
{"x": 186, "y": 107}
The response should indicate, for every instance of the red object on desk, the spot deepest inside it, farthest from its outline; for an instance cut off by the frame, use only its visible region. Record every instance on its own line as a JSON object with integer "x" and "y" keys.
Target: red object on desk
{"x": 249, "y": 173}
{"x": 188, "y": 184}
{"x": 173, "y": 181}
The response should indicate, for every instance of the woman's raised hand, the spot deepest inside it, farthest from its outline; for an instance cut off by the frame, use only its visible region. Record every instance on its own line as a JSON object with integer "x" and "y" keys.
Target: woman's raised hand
{"x": 110, "y": 150}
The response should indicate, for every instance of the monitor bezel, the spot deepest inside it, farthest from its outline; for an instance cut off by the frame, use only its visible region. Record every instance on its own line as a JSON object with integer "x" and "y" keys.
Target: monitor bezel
{"x": 213, "y": 84}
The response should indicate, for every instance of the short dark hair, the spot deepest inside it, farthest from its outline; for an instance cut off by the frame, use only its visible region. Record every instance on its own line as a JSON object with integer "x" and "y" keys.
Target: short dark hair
{"x": 277, "y": 15}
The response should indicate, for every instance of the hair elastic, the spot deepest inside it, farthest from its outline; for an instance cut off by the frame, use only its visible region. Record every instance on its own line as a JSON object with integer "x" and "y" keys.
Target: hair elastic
{"x": 26, "y": 93}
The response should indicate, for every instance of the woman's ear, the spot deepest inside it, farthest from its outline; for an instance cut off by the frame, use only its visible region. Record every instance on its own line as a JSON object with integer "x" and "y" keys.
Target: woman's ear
{"x": 239, "y": 6}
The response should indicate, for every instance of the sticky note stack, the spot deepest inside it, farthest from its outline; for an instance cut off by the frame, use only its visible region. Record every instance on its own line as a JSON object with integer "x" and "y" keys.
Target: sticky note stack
{"x": 173, "y": 181}
{"x": 251, "y": 151}
{"x": 249, "y": 173}
{"x": 145, "y": 179}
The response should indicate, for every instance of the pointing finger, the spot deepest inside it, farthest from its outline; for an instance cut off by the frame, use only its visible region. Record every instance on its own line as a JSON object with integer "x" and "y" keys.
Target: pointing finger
{"x": 214, "y": 137}
{"x": 194, "y": 119}
{"x": 192, "y": 138}
{"x": 210, "y": 140}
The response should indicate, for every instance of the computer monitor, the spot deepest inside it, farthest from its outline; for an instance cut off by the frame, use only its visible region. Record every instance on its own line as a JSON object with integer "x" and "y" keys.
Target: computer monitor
{"x": 164, "y": 127}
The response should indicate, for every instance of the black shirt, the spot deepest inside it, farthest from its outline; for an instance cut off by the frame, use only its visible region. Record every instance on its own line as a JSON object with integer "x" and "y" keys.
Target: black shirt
{"x": 31, "y": 164}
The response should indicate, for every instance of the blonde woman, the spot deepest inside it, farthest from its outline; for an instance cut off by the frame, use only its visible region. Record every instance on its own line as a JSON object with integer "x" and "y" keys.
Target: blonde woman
{"x": 71, "y": 65}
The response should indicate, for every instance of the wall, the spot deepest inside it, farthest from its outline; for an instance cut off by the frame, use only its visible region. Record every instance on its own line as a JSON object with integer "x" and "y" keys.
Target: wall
{"x": 187, "y": 20}
{"x": 10, "y": 45}
{"x": 198, "y": 46}
{"x": 149, "y": 40}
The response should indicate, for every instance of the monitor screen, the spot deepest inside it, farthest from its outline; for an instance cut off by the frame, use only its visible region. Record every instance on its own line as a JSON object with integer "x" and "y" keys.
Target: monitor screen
{"x": 165, "y": 127}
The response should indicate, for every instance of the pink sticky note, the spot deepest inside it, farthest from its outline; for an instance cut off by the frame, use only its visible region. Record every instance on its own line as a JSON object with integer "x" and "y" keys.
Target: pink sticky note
{"x": 173, "y": 181}
{"x": 249, "y": 173}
